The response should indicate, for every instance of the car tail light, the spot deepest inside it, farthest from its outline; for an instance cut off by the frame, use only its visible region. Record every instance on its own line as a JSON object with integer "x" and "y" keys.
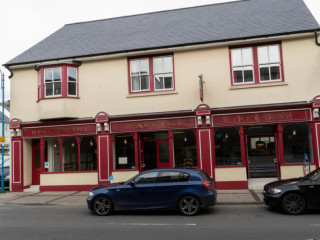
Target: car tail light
{"x": 207, "y": 185}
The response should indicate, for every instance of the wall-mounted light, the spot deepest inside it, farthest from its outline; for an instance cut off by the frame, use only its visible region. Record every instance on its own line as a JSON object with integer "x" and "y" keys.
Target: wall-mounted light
{"x": 199, "y": 121}
{"x": 125, "y": 141}
{"x": 294, "y": 132}
{"x": 18, "y": 132}
{"x": 99, "y": 128}
{"x": 207, "y": 120}
{"x": 106, "y": 127}
{"x": 316, "y": 113}
{"x": 13, "y": 133}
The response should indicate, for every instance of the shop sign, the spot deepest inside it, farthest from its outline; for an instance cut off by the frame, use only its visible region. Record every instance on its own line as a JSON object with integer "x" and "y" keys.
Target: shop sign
{"x": 265, "y": 117}
{"x": 158, "y": 124}
{"x": 59, "y": 131}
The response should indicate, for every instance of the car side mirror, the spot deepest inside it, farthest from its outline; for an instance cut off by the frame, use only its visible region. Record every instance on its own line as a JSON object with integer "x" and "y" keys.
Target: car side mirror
{"x": 132, "y": 183}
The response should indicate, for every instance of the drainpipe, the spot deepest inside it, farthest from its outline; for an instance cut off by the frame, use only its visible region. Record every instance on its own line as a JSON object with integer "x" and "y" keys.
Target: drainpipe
{"x": 316, "y": 38}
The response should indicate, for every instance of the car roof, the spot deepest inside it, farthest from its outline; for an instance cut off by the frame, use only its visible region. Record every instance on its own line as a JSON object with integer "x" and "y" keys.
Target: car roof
{"x": 188, "y": 170}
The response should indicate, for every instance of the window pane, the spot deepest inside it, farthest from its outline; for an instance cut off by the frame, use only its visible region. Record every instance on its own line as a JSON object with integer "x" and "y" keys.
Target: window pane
{"x": 146, "y": 178}
{"x": 135, "y": 83}
{"x": 134, "y": 67}
{"x": 167, "y": 177}
{"x": 296, "y": 143}
{"x": 49, "y": 89}
{"x": 88, "y": 154}
{"x": 185, "y": 149}
{"x": 48, "y": 75}
{"x": 72, "y": 74}
{"x": 168, "y": 82}
{"x": 274, "y": 54}
{"x": 237, "y": 76}
{"x": 69, "y": 154}
{"x": 53, "y": 155}
{"x": 144, "y": 82}
{"x": 56, "y": 74}
{"x": 248, "y": 75}
{"x": 124, "y": 152}
{"x": 144, "y": 66}
{"x": 236, "y": 57}
{"x": 158, "y": 82}
{"x": 158, "y": 65}
{"x": 227, "y": 147}
{"x": 264, "y": 74}
{"x": 167, "y": 64}
{"x": 57, "y": 88}
{"x": 275, "y": 72}
{"x": 247, "y": 56}
{"x": 263, "y": 55}
{"x": 72, "y": 88}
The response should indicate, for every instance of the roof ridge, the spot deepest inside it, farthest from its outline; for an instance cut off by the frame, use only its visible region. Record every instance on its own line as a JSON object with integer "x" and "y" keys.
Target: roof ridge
{"x": 162, "y": 11}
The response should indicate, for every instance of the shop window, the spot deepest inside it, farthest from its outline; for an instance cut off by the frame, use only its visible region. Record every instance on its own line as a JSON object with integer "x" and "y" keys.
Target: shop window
{"x": 151, "y": 74}
{"x": 58, "y": 81}
{"x": 227, "y": 147}
{"x": 53, "y": 155}
{"x": 124, "y": 157}
{"x": 70, "y": 154}
{"x": 256, "y": 64}
{"x": 297, "y": 143}
{"x": 185, "y": 149}
{"x": 69, "y": 158}
{"x": 88, "y": 154}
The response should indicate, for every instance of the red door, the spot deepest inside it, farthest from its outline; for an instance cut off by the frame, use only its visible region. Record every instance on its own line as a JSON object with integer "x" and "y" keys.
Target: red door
{"x": 36, "y": 166}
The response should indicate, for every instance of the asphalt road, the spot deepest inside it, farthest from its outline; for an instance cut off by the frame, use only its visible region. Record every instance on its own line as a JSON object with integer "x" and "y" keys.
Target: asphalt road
{"x": 220, "y": 222}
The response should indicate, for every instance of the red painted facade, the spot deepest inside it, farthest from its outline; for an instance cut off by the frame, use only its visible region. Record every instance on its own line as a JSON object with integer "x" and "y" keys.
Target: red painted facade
{"x": 204, "y": 121}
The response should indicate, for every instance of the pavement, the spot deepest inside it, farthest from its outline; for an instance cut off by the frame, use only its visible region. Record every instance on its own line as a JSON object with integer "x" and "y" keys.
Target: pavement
{"x": 69, "y": 198}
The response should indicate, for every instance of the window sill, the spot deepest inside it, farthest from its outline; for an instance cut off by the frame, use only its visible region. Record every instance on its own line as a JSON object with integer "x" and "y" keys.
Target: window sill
{"x": 47, "y": 98}
{"x": 258, "y": 85}
{"x": 151, "y": 94}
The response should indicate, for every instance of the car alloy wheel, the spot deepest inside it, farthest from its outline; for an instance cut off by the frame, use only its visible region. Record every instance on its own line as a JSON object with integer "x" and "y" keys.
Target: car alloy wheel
{"x": 189, "y": 205}
{"x": 293, "y": 204}
{"x": 102, "y": 206}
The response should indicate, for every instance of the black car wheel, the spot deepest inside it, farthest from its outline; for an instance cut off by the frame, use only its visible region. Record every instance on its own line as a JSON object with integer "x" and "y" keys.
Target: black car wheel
{"x": 102, "y": 206}
{"x": 189, "y": 205}
{"x": 293, "y": 204}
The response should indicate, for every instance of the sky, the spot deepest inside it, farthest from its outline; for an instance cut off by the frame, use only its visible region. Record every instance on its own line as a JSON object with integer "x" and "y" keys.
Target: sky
{"x": 23, "y": 23}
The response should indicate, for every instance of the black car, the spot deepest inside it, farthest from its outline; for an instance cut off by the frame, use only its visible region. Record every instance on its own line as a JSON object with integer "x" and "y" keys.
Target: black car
{"x": 6, "y": 171}
{"x": 294, "y": 196}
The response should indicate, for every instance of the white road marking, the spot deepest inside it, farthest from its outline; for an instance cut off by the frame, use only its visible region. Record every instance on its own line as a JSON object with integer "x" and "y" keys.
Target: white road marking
{"x": 152, "y": 224}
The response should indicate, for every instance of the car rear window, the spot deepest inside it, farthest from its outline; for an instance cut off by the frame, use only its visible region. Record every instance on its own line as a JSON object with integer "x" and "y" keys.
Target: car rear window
{"x": 171, "y": 176}
{"x": 205, "y": 176}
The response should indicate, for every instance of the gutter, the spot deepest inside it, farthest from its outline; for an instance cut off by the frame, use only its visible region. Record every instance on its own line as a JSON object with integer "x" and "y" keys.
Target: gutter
{"x": 316, "y": 38}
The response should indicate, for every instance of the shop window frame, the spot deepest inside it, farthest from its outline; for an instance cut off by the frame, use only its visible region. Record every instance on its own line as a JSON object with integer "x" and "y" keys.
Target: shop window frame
{"x": 151, "y": 74}
{"x": 46, "y": 152}
{"x": 64, "y": 70}
{"x": 256, "y": 65}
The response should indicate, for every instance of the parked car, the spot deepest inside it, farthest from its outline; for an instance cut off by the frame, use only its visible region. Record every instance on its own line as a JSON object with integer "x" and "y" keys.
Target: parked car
{"x": 6, "y": 171}
{"x": 294, "y": 196}
{"x": 184, "y": 189}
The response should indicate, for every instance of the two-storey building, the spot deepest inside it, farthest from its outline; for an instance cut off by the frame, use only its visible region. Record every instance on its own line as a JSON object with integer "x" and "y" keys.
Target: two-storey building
{"x": 229, "y": 88}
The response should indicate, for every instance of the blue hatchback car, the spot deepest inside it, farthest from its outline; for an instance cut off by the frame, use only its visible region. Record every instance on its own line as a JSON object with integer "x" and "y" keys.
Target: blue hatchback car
{"x": 184, "y": 189}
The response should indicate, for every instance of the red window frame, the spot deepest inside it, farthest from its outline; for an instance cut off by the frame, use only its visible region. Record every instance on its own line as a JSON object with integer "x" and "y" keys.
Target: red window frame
{"x": 256, "y": 72}
{"x": 151, "y": 74}
{"x": 64, "y": 81}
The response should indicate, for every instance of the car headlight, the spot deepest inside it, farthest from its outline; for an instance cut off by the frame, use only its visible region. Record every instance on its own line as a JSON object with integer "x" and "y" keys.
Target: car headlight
{"x": 90, "y": 194}
{"x": 274, "y": 190}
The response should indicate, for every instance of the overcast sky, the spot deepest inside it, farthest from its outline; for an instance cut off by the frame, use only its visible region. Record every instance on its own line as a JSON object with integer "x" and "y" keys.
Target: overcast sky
{"x": 23, "y": 23}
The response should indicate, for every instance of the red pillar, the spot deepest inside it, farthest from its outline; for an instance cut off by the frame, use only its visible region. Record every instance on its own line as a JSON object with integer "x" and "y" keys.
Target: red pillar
{"x": 17, "y": 164}
{"x": 243, "y": 146}
{"x": 170, "y": 135}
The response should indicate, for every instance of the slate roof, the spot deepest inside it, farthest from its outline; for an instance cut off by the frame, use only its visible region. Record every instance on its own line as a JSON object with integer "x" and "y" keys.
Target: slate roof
{"x": 203, "y": 24}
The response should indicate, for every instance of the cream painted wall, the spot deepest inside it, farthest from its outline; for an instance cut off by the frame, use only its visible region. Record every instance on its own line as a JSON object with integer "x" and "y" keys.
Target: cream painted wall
{"x": 230, "y": 174}
{"x": 90, "y": 178}
{"x": 27, "y": 162}
{"x": 103, "y": 85}
{"x": 293, "y": 171}
{"x": 123, "y": 176}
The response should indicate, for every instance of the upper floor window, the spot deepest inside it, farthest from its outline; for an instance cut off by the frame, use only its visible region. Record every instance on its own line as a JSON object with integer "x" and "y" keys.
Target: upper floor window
{"x": 256, "y": 64}
{"x": 151, "y": 74}
{"x": 58, "y": 81}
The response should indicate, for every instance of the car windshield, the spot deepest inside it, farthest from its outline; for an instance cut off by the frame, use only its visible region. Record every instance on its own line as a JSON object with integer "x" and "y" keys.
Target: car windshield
{"x": 315, "y": 175}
